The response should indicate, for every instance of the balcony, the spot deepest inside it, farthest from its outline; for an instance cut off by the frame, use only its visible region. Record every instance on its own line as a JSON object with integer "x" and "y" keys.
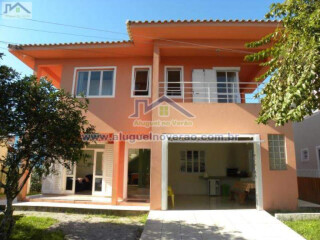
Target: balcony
{"x": 212, "y": 92}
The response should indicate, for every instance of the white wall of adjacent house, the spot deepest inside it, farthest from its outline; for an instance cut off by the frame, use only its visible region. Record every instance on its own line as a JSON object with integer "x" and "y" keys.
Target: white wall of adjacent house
{"x": 307, "y": 146}
{"x": 56, "y": 183}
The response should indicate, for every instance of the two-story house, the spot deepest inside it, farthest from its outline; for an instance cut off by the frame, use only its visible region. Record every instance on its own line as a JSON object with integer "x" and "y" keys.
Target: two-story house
{"x": 175, "y": 115}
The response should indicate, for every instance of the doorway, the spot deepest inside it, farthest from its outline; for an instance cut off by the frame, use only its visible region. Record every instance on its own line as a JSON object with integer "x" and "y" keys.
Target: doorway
{"x": 87, "y": 176}
{"x": 138, "y": 184}
{"x": 254, "y": 155}
{"x": 218, "y": 175}
{"x": 84, "y": 173}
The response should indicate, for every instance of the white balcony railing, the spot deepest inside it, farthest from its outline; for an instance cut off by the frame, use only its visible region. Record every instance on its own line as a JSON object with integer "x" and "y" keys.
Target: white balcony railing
{"x": 212, "y": 92}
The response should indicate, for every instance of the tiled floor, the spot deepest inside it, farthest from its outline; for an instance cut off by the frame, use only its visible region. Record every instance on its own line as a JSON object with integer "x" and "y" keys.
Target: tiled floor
{"x": 69, "y": 198}
{"x": 80, "y": 206}
{"x": 216, "y": 224}
{"x": 205, "y": 202}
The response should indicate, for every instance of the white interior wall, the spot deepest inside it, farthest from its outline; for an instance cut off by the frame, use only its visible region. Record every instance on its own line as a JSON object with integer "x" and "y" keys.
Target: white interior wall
{"x": 219, "y": 157}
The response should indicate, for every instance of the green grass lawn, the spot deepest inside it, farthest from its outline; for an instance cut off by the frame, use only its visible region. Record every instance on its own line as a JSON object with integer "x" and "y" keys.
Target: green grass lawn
{"x": 309, "y": 229}
{"x": 35, "y": 228}
{"x": 141, "y": 218}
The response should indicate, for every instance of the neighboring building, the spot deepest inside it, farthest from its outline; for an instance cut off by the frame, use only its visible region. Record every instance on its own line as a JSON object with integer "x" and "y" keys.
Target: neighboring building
{"x": 186, "y": 86}
{"x": 3, "y": 152}
{"x": 307, "y": 144}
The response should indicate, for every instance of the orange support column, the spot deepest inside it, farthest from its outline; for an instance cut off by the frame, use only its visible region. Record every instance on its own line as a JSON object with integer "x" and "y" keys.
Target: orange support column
{"x": 118, "y": 166}
{"x": 23, "y": 194}
{"x": 156, "y": 154}
{"x": 121, "y": 169}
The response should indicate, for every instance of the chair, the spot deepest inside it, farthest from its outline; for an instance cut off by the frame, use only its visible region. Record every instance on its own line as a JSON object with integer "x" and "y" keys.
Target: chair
{"x": 171, "y": 194}
{"x": 239, "y": 192}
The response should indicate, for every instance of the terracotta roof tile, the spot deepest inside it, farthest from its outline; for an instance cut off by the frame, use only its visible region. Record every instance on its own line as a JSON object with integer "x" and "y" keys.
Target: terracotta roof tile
{"x": 68, "y": 44}
{"x": 205, "y": 21}
{"x": 129, "y": 22}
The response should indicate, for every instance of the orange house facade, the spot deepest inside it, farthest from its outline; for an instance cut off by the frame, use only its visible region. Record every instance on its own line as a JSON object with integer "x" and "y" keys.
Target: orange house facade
{"x": 175, "y": 117}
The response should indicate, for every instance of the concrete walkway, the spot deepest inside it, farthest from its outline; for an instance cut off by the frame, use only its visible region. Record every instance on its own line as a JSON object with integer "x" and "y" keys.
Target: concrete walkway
{"x": 216, "y": 224}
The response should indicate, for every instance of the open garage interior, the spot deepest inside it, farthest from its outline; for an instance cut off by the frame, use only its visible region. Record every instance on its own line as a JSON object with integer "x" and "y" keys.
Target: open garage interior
{"x": 211, "y": 176}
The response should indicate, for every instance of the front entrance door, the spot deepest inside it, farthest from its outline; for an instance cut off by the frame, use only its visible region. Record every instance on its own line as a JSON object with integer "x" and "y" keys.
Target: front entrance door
{"x": 138, "y": 186}
{"x": 70, "y": 179}
{"x": 88, "y": 176}
{"x": 98, "y": 174}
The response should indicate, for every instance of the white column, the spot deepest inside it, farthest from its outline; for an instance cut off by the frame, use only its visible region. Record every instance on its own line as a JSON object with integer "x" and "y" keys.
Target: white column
{"x": 164, "y": 184}
{"x": 258, "y": 166}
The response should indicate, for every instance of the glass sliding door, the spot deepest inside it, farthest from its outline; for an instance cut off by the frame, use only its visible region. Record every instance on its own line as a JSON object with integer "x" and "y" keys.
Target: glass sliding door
{"x": 88, "y": 175}
{"x": 70, "y": 178}
{"x": 84, "y": 173}
{"x": 228, "y": 87}
{"x": 98, "y": 183}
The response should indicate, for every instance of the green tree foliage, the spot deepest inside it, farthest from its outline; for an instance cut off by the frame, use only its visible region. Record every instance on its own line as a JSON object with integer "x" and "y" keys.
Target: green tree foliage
{"x": 292, "y": 55}
{"x": 47, "y": 124}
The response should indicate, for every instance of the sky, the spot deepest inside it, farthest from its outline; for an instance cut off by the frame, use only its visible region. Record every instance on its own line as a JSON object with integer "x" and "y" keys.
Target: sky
{"x": 111, "y": 15}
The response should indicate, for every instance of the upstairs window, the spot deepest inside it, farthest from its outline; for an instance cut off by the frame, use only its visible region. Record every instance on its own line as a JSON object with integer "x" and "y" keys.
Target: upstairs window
{"x": 227, "y": 87}
{"x": 95, "y": 83}
{"x": 174, "y": 79}
{"x": 141, "y": 77}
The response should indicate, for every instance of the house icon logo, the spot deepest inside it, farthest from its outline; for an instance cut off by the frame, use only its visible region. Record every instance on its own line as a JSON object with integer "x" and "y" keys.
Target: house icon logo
{"x": 163, "y": 104}
{"x": 12, "y": 10}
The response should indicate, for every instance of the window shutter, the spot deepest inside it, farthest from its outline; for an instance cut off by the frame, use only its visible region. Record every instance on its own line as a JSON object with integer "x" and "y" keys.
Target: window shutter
{"x": 209, "y": 79}
{"x": 108, "y": 169}
{"x": 198, "y": 87}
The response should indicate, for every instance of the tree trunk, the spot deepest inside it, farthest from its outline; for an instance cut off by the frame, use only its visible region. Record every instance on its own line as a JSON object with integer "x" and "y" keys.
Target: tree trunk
{"x": 7, "y": 222}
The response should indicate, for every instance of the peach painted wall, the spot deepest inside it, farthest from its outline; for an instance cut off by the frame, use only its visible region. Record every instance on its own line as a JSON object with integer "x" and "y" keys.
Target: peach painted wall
{"x": 111, "y": 115}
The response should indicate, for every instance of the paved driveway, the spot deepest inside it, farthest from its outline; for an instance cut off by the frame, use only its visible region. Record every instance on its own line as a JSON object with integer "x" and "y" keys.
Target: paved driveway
{"x": 216, "y": 224}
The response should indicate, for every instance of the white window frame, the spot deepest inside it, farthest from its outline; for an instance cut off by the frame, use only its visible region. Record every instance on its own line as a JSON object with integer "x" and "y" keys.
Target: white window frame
{"x": 166, "y": 68}
{"x": 66, "y": 174}
{"x": 186, "y": 161}
{"x": 302, "y": 157}
{"x": 228, "y": 69}
{"x": 256, "y": 141}
{"x": 318, "y": 156}
{"x": 89, "y": 69}
{"x": 133, "y": 80}
{"x": 102, "y": 177}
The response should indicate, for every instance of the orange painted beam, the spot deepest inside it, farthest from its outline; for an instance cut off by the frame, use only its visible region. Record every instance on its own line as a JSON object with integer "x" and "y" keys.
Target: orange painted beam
{"x": 115, "y": 178}
{"x": 118, "y": 171}
{"x": 23, "y": 193}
